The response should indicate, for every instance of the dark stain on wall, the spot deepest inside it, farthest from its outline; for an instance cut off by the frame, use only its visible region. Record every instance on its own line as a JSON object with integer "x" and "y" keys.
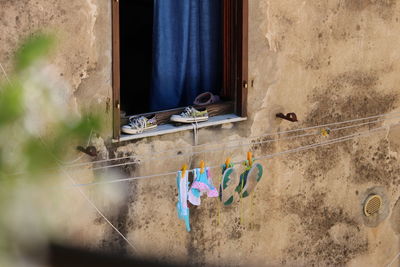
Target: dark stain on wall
{"x": 316, "y": 219}
{"x": 324, "y": 159}
{"x": 202, "y": 242}
{"x": 375, "y": 165}
{"x": 121, "y": 219}
{"x": 367, "y": 165}
{"x": 384, "y": 8}
{"x": 198, "y": 243}
{"x": 313, "y": 63}
{"x": 346, "y": 96}
{"x": 333, "y": 102}
{"x": 236, "y": 230}
{"x": 263, "y": 145}
{"x": 113, "y": 242}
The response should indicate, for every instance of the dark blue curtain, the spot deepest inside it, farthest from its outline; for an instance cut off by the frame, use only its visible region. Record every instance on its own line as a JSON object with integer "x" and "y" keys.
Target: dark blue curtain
{"x": 187, "y": 56}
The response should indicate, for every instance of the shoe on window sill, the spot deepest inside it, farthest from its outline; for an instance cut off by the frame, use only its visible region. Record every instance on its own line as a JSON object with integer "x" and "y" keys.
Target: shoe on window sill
{"x": 138, "y": 125}
{"x": 190, "y": 115}
{"x": 206, "y": 98}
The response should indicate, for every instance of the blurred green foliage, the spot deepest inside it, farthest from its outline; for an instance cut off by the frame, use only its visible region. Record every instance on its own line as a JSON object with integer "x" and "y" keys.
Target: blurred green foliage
{"x": 38, "y": 132}
{"x": 10, "y": 103}
{"x": 23, "y": 152}
{"x": 36, "y": 47}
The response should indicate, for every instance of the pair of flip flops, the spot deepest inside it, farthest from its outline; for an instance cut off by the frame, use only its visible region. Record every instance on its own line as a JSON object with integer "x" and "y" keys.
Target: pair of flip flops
{"x": 244, "y": 184}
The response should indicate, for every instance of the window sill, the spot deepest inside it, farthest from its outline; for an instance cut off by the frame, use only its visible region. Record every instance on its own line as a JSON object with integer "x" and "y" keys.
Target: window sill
{"x": 170, "y": 128}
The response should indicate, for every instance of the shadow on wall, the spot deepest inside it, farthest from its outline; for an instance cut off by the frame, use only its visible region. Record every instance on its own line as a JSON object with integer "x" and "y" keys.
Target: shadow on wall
{"x": 395, "y": 217}
{"x": 62, "y": 256}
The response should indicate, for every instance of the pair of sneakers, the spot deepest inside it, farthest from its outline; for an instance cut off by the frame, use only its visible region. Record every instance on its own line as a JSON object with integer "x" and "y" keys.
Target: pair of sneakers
{"x": 189, "y": 115}
{"x": 139, "y": 124}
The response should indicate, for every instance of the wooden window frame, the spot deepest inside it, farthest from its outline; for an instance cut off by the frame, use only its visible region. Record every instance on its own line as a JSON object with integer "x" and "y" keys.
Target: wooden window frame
{"x": 235, "y": 64}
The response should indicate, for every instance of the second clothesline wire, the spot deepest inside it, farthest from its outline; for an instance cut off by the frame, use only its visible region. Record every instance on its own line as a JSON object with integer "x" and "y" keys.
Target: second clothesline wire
{"x": 241, "y": 140}
{"x": 137, "y": 160}
{"x": 302, "y": 148}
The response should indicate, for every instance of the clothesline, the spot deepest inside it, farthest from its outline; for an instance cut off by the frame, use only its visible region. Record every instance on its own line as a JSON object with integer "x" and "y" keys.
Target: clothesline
{"x": 99, "y": 212}
{"x": 79, "y": 189}
{"x": 394, "y": 259}
{"x": 138, "y": 160}
{"x": 87, "y": 198}
{"x": 302, "y": 148}
{"x": 248, "y": 138}
{"x": 136, "y": 157}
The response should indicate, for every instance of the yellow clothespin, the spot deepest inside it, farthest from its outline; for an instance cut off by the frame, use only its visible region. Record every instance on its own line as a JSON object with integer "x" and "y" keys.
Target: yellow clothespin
{"x": 184, "y": 168}
{"x": 202, "y": 166}
{"x": 325, "y": 132}
{"x": 227, "y": 162}
{"x": 250, "y": 158}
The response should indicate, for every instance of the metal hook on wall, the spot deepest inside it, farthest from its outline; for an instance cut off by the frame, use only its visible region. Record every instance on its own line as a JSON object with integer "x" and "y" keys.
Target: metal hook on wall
{"x": 289, "y": 116}
{"x": 90, "y": 150}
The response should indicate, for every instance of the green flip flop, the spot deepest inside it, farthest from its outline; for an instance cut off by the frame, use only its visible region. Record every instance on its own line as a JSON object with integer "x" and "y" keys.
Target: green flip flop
{"x": 228, "y": 185}
{"x": 249, "y": 180}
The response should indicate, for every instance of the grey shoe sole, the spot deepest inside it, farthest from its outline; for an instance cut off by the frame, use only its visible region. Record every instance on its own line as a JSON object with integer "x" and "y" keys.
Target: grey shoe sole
{"x": 188, "y": 120}
{"x": 135, "y": 131}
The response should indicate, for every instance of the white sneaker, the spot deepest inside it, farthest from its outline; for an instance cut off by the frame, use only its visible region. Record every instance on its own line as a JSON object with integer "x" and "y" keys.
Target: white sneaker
{"x": 139, "y": 124}
{"x": 189, "y": 115}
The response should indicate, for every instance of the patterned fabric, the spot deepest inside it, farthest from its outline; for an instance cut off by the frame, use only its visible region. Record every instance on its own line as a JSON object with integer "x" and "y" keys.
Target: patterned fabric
{"x": 202, "y": 184}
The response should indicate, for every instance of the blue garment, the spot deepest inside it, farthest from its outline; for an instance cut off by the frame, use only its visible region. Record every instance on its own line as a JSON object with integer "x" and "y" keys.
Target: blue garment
{"x": 181, "y": 206}
{"x": 187, "y": 51}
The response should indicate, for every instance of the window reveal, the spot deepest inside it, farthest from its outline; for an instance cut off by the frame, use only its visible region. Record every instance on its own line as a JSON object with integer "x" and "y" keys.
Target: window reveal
{"x": 234, "y": 60}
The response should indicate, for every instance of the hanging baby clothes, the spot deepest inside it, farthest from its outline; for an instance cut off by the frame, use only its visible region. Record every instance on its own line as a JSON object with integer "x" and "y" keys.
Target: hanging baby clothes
{"x": 181, "y": 206}
{"x": 202, "y": 184}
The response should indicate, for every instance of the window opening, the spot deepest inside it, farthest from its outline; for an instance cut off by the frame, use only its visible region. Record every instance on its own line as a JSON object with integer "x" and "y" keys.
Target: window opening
{"x": 134, "y": 61}
{"x": 136, "y": 41}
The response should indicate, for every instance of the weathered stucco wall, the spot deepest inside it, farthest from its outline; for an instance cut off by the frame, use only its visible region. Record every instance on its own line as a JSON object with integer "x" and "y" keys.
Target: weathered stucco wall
{"x": 83, "y": 52}
{"x": 325, "y": 60}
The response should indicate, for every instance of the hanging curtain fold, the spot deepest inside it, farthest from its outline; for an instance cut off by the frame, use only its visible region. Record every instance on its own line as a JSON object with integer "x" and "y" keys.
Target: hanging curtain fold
{"x": 187, "y": 51}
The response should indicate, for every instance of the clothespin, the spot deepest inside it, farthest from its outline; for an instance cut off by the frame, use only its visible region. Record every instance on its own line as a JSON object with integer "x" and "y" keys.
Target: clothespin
{"x": 202, "y": 164}
{"x": 184, "y": 168}
{"x": 227, "y": 162}
{"x": 250, "y": 158}
{"x": 325, "y": 132}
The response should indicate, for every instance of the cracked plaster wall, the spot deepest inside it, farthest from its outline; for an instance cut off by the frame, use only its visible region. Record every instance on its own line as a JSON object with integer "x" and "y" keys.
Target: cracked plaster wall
{"x": 325, "y": 60}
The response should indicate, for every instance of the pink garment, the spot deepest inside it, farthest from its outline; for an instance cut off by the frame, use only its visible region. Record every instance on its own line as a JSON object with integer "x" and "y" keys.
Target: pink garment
{"x": 205, "y": 188}
{"x": 202, "y": 184}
